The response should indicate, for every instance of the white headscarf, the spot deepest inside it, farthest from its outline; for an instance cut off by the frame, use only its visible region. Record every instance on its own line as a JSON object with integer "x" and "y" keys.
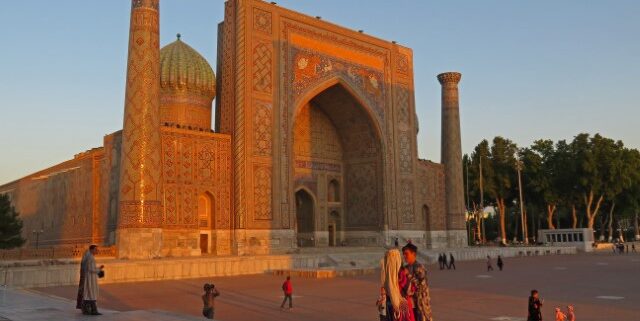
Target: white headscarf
{"x": 389, "y": 277}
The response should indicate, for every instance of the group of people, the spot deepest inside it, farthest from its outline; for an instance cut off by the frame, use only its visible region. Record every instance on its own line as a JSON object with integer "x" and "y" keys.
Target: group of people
{"x": 621, "y": 248}
{"x": 500, "y": 263}
{"x": 442, "y": 261}
{"x": 404, "y": 292}
{"x": 535, "y": 309}
{"x": 90, "y": 272}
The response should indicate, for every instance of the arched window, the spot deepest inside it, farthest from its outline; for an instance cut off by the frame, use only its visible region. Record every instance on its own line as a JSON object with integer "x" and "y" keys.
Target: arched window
{"x": 205, "y": 208}
{"x": 334, "y": 191}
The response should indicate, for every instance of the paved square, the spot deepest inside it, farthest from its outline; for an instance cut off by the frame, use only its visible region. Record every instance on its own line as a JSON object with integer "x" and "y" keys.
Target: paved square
{"x": 601, "y": 287}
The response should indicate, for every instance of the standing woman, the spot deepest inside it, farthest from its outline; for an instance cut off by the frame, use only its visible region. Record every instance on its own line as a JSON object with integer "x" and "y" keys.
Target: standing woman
{"x": 398, "y": 306}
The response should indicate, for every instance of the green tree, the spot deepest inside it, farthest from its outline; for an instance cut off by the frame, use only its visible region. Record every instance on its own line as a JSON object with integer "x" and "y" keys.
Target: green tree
{"x": 593, "y": 169}
{"x": 10, "y": 225}
{"x": 480, "y": 178}
{"x": 541, "y": 176}
{"x": 501, "y": 189}
{"x": 563, "y": 164}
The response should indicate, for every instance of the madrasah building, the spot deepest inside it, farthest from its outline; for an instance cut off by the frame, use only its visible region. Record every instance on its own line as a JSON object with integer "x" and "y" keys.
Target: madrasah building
{"x": 313, "y": 144}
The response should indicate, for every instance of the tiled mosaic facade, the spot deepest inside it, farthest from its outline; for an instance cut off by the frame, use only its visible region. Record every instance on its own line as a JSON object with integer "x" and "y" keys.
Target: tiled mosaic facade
{"x": 315, "y": 129}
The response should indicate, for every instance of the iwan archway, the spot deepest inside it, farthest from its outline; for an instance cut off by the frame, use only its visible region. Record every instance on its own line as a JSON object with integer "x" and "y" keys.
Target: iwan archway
{"x": 338, "y": 157}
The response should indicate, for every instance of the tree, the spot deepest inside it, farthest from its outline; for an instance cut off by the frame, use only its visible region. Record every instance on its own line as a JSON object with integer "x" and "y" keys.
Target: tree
{"x": 593, "y": 157}
{"x": 629, "y": 196}
{"x": 10, "y": 225}
{"x": 563, "y": 164}
{"x": 503, "y": 162}
{"x": 480, "y": 178}
{"x": 541, "y": 175}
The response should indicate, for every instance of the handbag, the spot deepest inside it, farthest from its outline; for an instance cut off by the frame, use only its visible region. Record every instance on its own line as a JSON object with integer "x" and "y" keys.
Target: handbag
{"x": 100, "y": 274}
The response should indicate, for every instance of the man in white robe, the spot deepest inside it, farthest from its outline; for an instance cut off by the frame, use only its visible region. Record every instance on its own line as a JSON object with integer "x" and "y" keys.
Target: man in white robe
{"x": 83, "y": 274}
{"x": 90, "y": 294}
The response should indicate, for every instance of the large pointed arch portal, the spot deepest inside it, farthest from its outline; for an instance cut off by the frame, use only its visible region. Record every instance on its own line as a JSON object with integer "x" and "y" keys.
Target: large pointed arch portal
{"x": 338, "y": 156}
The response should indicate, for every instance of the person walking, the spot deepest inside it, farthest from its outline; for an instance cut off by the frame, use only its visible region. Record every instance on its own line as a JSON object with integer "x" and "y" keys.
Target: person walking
{"x": 440, "y": 263}
{"x": 500, "y": 263}
{"x": 489, "y": 264}
{"x": 287, "y": 288}
{"x": 452, "y": 262}
{"x": 560, "y": 316}
{"x": 535, "y": 306}
{"x": 633, "y": 247}
{"x": 90, "y": 287}
{"x": 445, "y": 264}
{"x": 208, "y": 300}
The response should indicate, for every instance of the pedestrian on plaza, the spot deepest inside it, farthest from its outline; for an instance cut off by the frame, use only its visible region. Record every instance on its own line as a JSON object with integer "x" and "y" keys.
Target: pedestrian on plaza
{"x": 83, "y": 275}
{"x": 500, "y": 263}
{"x": 440, "y": 261}
{"x": 90, "y": 286}
{"x": 535, "y": 306}
{"x": 570, "y": 314}
{"x": 444, "y": 261}
{"x": 489, "y": 264}
{"x": 208, "y": 300}
{"x": 559, "y": 315}
{"x": 452, "y": 262}
{"x": 419, "y": 300}
{"x": 626, "y": 249}
{"x": 381, "y": 303}
{"x": 287, "y": 288}
{"x": 396, "y": 242}
{"x": 398, "y": 307}
{"x": 633, "y": 247}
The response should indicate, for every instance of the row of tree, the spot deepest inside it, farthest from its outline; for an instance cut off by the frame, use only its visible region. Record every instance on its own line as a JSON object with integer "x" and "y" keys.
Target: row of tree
{"x": 583, "y": 178}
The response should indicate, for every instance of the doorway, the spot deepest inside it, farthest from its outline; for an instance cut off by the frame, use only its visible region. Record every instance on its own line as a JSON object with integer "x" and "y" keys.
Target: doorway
{"x": 204, "y": 243}
{"x": 304, "y": 218}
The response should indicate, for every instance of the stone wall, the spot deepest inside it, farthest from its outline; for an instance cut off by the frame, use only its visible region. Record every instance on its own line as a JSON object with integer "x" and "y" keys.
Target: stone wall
{"x": 61, "y": 203}
{"x": 154, "y": 270}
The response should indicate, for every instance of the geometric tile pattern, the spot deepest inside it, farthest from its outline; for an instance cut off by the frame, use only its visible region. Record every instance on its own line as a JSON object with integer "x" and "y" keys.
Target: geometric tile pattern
{"x": 262, "y": 67}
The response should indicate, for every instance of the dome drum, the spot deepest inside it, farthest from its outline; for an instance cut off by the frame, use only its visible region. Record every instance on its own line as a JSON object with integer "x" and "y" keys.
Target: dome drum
{"x": 187, "y": 86}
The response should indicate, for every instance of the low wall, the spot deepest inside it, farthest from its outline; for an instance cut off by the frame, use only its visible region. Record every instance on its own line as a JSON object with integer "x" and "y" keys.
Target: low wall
{"x": 121, "y": 271}
{"x": 58, "y": 273}
{"x": 480, "y": 253}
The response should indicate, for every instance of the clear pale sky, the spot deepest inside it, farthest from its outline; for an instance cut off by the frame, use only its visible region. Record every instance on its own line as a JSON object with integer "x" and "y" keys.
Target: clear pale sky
{"x": 530, "y": 69}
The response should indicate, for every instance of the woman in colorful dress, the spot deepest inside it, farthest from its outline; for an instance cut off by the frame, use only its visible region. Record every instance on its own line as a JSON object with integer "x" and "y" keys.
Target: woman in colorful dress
{"x": 398, "y": 286}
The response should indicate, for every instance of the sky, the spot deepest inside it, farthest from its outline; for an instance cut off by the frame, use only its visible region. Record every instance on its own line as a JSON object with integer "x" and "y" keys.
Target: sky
{"x": 530, "y": 69}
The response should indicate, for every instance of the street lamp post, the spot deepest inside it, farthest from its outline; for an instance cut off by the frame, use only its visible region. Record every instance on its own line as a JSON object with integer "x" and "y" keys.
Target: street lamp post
{"x": 37, "y": 233}
{"x": 522, "y": 218}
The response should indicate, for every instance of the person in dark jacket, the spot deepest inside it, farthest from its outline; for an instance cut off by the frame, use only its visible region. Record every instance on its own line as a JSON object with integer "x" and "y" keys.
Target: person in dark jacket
{"x": 500, "y": 263}
{"x": 452, "y": 262}
{"x": 535, "y": 306}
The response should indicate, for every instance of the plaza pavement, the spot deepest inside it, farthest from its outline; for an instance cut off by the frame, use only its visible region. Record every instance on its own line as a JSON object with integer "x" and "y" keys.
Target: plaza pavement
{"x": 601, "y": 286}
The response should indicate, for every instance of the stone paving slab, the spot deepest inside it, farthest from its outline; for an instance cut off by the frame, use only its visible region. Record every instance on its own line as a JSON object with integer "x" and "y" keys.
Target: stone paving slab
{"x": 25, "y": 305}
{"x": 602, "y": 287}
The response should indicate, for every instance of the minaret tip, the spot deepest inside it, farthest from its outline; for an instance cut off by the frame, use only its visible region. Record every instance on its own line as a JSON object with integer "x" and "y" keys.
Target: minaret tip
{"x": 178, "y": 36}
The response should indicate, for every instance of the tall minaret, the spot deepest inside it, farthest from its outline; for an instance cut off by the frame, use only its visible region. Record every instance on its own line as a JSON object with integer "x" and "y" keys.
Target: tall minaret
{"x": 452, "y": 160}
{"x": 139, "y": 233}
